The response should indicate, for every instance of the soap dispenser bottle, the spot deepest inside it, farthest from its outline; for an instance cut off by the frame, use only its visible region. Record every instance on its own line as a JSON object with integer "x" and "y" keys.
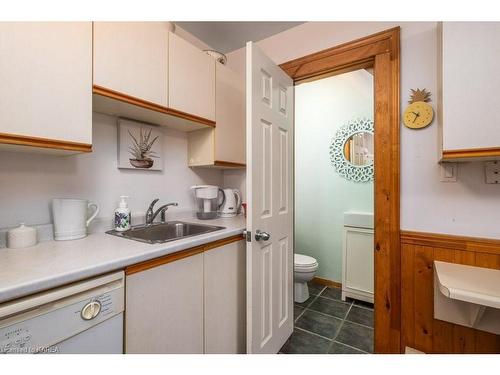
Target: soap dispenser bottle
{"x": 122, "y": 215}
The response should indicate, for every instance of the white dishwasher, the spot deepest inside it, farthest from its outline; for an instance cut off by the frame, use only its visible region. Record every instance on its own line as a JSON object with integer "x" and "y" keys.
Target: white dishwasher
{"x": 85, "y": 317}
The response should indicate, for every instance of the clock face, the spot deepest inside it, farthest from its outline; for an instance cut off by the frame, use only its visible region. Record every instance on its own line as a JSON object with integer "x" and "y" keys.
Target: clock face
{"x": 418, "y": 115}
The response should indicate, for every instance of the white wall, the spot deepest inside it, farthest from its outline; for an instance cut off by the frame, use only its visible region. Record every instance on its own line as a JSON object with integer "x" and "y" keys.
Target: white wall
{"x": 321, "y": 195}
{"x": 29, "y": 181}
{"x": 467, "y": 207}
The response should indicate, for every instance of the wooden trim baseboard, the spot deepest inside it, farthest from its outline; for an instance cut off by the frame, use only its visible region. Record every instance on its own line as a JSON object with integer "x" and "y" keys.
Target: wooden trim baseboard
{"x": 448, "y": 241}
{"x": 22, "y": 140}
{"x": 148, "y": 264}
{"x": 472, "y": 153}
{"x": 103, "y": 91}
{"x": 326, "y": 282}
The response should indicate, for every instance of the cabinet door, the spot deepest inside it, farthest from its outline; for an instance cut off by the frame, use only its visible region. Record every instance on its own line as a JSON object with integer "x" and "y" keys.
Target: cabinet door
{"x": 164, "y": 308}
{"x": 132, "y": 58}
{"x": 46, "y": 76}
{"x": 225, "y": 288}
{"x": 230, "y": 116}
{"x": 470, "y": 83}
{"x": 358, "y": 262}
{"x": 191, "y": 80}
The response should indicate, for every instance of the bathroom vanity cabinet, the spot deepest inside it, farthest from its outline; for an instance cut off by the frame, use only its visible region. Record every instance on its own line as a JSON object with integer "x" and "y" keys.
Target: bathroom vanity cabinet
{"x": 358, "y": 266}
{"x": 192, "y": 301}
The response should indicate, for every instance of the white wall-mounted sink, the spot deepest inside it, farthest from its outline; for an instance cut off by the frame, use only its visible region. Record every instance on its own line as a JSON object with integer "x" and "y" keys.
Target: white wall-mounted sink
{"x": 358, "y": 219}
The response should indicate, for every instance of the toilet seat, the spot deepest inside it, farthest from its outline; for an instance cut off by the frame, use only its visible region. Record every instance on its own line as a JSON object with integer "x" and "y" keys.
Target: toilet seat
{"x": 304, "y": 263}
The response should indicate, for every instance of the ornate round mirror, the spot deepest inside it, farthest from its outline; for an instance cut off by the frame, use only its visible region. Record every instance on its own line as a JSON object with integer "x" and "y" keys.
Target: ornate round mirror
{"x": 351, "y": 151}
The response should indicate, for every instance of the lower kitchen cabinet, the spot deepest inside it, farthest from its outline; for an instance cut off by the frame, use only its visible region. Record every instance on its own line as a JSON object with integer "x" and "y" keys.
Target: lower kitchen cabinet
{"x": 225, "y": 302}
{"x": 164, "y": 307}
{"x": 192, "y": 301}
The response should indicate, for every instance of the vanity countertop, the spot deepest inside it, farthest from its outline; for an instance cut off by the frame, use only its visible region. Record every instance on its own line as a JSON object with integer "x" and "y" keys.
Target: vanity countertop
{"x": 51, "y": 264}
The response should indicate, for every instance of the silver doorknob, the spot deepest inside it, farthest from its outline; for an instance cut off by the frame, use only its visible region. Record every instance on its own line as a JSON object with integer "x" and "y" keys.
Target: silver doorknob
{"x": 262, "y": 236}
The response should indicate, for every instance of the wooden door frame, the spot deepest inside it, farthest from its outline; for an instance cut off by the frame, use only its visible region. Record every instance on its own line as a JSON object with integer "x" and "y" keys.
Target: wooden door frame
{"x": 380, "y": 51}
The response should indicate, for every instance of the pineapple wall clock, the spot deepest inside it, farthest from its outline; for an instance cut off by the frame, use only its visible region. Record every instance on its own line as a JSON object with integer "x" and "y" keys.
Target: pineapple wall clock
{"x": 419, "y": 113}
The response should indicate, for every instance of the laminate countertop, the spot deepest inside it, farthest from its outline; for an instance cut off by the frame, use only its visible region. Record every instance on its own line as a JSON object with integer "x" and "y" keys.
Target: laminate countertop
{"x": 50, "y": 264}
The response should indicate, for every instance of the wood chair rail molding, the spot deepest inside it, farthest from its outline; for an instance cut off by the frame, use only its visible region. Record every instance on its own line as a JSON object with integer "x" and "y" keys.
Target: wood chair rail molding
{"x": 380, "y": 51}
{"x": 22, "y": 140}
{"x": 448, "y": 241}
{"x": 103, "y": 91}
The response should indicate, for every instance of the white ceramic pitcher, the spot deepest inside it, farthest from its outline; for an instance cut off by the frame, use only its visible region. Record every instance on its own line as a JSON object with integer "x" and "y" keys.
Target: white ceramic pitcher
{"x": 71, "y": 218}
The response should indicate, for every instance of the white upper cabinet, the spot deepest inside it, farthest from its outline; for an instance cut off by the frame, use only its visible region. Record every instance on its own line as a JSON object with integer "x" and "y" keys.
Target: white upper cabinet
{"x": 191, "y": 79}
{"x": 132, "y": 58}
{"x": 224, "y": 146}
{"x": 230, "y": 116}
{"x": 46, "y": 79}
{"x": 469, "y": 101}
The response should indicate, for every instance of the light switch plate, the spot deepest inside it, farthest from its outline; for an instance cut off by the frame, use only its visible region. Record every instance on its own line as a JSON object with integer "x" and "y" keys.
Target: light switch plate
{"x": 449, "y": 172}
{"x": 492, "y": 171}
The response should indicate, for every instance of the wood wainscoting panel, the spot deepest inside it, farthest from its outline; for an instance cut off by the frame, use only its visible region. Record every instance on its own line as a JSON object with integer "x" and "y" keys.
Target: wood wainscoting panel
{"x": 418, "y": 326}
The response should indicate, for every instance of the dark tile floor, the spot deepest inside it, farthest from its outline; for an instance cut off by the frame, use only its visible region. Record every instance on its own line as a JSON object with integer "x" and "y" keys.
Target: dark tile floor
{"x": 326, "y": 324}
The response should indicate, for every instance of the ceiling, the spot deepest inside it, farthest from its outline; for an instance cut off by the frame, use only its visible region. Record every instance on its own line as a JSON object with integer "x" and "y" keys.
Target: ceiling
{"x": 229, "y": 36}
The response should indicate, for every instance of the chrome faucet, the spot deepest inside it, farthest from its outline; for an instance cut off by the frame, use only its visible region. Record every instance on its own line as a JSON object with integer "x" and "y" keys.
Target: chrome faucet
{"x": 150, "y": 216}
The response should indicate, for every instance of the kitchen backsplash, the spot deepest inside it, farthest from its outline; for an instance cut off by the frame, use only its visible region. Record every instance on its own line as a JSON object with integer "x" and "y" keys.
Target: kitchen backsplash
{"x": 29, "y": 181}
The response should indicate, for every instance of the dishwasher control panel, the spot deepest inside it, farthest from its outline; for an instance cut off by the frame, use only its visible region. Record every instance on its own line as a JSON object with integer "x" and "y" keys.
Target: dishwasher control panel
{"x": 39, "y": 330}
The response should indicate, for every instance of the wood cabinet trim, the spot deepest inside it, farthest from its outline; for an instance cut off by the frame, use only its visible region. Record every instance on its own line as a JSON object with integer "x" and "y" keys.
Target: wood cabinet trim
{"x": 473, "y": 244}
{"x": 169, "y": 258}
{"x": 143, "y": 266}
{"x": 22, "y": 140}
{"x": 228, "y": 164}
{"x": 492, "y": 152}
{"x": 224, "y": 241}
{"x": 103, "y": 91}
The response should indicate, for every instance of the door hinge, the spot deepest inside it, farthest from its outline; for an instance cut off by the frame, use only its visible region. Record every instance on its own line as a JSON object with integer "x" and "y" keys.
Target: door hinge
{"x": 248, "y": 235}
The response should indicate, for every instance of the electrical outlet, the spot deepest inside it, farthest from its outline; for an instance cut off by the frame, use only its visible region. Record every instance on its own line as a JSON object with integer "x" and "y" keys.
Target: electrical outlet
{"x": 449, "y": 172}
{"x": 492, "y": 171}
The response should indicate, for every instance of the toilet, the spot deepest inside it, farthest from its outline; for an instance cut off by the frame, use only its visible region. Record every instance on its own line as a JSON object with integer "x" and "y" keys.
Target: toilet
{"x": 304, "y": 269}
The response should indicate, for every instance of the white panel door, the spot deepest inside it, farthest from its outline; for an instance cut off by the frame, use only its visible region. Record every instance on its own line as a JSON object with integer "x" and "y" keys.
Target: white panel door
{"x": 270, "y": 210}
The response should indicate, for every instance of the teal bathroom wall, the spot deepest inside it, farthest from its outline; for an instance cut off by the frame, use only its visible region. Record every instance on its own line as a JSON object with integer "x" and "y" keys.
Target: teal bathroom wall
{"x": 321, "y": 195}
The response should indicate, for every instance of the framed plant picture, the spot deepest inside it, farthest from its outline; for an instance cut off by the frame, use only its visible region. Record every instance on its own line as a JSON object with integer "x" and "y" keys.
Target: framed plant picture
{"x": 140, "y": 146}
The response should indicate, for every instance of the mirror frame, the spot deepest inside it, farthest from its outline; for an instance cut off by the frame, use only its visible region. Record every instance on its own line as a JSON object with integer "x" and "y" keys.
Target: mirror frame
{"x": 356, "y": 173}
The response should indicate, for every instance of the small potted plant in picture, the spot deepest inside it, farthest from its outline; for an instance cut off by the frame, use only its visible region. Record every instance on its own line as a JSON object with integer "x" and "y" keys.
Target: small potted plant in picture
{"x": 141, "y": 149}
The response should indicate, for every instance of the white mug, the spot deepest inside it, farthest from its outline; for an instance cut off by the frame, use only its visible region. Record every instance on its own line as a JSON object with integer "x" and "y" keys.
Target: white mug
{"x": 70, "y": 218}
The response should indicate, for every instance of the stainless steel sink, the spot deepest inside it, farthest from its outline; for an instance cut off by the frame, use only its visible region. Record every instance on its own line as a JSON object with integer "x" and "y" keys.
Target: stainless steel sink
{"x": 165, "y": 232}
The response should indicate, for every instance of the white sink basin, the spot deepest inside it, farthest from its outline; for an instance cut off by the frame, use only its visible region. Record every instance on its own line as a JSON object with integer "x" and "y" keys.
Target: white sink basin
{"x": 358, "y": 219}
